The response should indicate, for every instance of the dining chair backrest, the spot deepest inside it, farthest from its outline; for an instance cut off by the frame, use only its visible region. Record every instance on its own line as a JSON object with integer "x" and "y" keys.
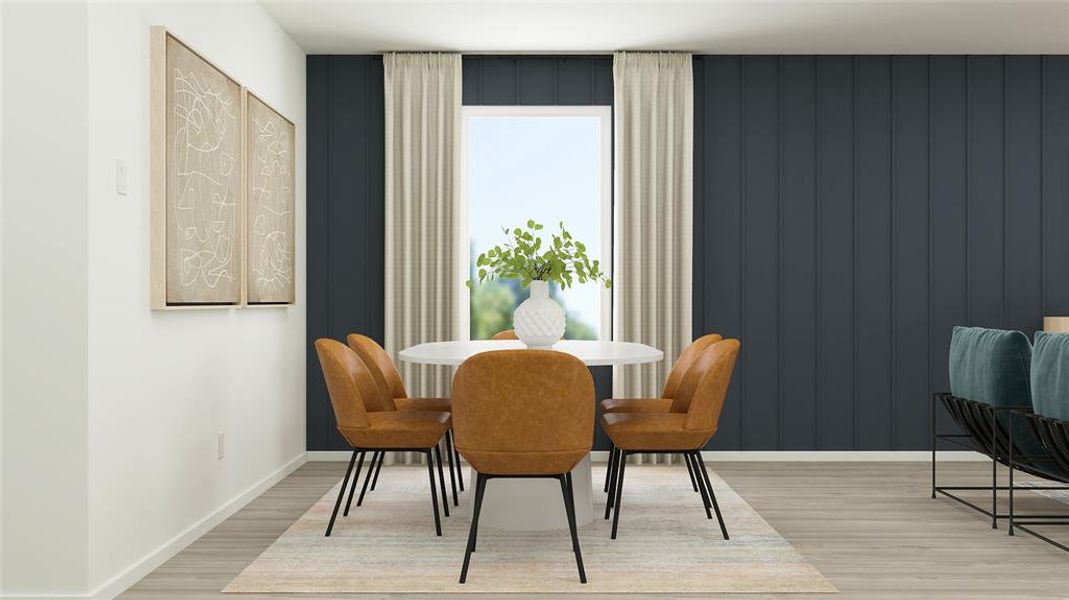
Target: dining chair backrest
{"x": 523, "y": 411}
{"x": 349, "y": 383}
{"x": 507, "y": 334}
{"x": 706, "y": 384}
{"x": 683, "y": 363}
{"x": 380, "y": 364}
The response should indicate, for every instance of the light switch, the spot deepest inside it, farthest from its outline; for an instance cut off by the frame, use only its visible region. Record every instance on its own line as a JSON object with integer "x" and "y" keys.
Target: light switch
{"x": 120, "y": 177}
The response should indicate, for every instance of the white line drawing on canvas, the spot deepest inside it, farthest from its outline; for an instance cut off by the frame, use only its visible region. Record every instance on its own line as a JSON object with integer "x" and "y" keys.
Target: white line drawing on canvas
{"x": 205, "y": 210}
{"x": 271, "y": 181}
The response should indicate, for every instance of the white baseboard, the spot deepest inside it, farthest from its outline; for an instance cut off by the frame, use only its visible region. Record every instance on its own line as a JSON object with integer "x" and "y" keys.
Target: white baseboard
{"x": 135, "y": 572}
{"x": 328, "y": 455}
{"x": 762, "y": 456}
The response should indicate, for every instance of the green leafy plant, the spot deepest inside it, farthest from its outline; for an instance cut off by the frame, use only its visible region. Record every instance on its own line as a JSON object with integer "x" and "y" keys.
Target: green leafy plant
{"x": 525, "y": 257}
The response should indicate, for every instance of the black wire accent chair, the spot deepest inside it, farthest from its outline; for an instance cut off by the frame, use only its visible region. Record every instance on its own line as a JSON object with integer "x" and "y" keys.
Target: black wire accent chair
{"x": 1054, "y": 436}
{"x": 987, "y": 430}
{"x": 995, "y": 367}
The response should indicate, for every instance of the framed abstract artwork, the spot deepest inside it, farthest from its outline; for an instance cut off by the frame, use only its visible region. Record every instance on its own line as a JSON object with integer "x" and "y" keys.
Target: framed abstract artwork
{"x": 196, "y": 179}
{"x": 269, "y": 181}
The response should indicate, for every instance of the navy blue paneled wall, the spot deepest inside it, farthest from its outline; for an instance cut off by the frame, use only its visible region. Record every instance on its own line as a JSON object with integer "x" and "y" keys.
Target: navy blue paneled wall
{"x": 346, "y": 229}
{"x": 848, "y": 212}
{"x": 851, "y": 210}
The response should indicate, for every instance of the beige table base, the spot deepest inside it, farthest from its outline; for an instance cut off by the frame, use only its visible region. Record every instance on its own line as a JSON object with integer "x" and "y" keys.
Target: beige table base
{"x": 530, "y": 504}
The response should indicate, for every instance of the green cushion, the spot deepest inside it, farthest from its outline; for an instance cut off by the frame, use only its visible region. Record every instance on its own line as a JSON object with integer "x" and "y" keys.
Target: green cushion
{"x": 991, "y": 366}
{"x": 994, "y": 367}
{"x": 1050, "y": 375}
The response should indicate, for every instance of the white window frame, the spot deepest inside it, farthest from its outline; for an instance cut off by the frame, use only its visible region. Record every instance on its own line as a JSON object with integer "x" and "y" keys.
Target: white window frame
{"x": 604, "y": 113}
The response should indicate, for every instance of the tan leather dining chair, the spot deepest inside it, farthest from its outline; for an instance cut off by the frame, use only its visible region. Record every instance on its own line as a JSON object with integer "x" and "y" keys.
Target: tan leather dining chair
{"x": 352, "y": 390}
{"x": 667, "y": 402}
{"x": 384, "y": 370}
{"x": 523, "y": 413}
{"x": 507, "y": 334}
{"x": 703, "y": 390}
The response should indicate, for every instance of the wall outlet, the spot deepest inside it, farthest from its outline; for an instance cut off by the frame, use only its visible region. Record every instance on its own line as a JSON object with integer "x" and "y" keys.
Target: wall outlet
{"x": 220, "y": 444}
{"x": 120, "y": 177}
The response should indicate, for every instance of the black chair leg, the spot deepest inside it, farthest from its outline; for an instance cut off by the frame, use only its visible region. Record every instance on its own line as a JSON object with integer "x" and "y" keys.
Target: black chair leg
{"x": 712, "y": 496}
{"x": 480, "y": 489}
{"x": 341, "y": 493}
{"x": 705, "y": 491}
{"x": 619, "y": 485}
{"x": 441, "y": 478}
{"x": 569, "y": 508}
{"x": 367, "y": 479}
{"x": 614, "y": 466}
{"x": 375, "y": 481}
{"x": 352, "y": 489}
{"x": 456, "y": 459}
{"x": 452, "y": 466}
{"x": 434, "y": 492}
{"x": 690, "y": 471}
{"x": 994, "y": 491}
{"x": 608, "y": 467}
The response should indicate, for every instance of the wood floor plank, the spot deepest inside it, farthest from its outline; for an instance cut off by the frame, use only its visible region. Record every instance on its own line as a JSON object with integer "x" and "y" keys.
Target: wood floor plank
{"x": 871, "y": 528}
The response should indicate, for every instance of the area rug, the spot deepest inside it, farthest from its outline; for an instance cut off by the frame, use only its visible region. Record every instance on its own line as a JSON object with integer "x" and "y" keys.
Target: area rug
{"x": 665, "y": 545}
{"x": 1059, "y": 495}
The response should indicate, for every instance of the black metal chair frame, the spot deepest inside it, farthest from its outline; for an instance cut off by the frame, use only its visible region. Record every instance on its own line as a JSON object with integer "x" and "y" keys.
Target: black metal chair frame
{"x": 376, "y": 459}
{"x": 1054, "y": 435}
{"x": 376, "y": 466}
{"x": 986, "y": 431}
{"x": 699, "y": 480}
{"x": 565, "y": 480}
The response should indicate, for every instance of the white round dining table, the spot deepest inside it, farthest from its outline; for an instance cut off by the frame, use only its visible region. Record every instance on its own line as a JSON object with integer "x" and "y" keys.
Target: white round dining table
{"x": 533, "y": 504}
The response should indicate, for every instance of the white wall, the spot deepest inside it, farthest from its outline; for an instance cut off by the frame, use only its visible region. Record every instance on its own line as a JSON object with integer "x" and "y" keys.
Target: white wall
{"x": 162, "y": 384}
{"x": 111, "y": 410}
{"x": 44, "y": 307}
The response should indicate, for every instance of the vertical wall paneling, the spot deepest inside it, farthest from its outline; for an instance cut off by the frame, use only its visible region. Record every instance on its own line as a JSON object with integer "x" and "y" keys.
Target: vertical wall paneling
{"x": 1022, "y": 143}
{"x": 851, "y": 211}
{"x": 345, "y": 217}
{"x": 910, "y": 248}
{"x": 719, "y": 108}
{"x": 760, "y": 230}
{"x": 948, "y": 211}
{"x": 538, "y": 80}
{"x": 797, "y": 254}
{"x": 835, "y": 242}
{"x": 1055, "y": 183}
{"x": 873, "y": 391}
{"x": 317, "y": 409}
{"x": 985, "y": 190}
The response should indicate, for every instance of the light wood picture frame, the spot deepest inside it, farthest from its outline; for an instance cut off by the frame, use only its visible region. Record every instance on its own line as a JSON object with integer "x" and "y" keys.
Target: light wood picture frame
{"x": 196, "y": 179}
{"x": 270, "y": 184}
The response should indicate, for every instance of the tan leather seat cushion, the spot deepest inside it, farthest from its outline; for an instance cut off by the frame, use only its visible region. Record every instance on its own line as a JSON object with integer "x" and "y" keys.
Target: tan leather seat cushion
{"x": 647, "y": 431}
{"x": 431, "y": 404}
{"x": 399, "y": 429}
{"x": 650, "y": 405}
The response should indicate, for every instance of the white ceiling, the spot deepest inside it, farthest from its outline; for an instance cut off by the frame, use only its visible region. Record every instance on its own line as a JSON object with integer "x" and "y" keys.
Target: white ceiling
{"x": 710, "y": 26}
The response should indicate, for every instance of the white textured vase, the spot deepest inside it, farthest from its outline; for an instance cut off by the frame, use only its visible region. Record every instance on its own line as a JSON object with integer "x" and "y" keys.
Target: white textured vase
{"x": 539, "y": 321}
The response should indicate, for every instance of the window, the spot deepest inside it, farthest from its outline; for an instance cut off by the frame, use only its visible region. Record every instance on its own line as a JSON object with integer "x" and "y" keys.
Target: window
{"x": 551, "y": 164}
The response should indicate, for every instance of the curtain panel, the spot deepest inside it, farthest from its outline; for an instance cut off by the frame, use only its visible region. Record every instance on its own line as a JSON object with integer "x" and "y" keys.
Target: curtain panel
{"x": 653, "y": 213}
{"x": 422, "y": 147}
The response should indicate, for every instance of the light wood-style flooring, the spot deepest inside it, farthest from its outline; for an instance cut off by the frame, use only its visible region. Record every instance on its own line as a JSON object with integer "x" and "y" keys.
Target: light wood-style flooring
{"x": 871, "y": 528}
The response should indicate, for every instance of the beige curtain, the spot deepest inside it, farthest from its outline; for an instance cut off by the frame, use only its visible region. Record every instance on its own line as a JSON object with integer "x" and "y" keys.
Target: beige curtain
{"x": 654, "y": 114}
{"x": 422, "y": 209}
